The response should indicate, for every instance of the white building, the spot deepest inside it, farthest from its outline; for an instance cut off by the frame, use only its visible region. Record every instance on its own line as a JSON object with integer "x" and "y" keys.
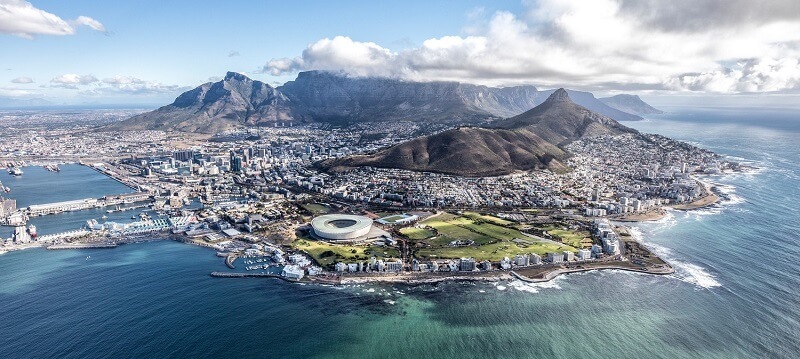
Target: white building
{"x": 521, "y": 260}
{"x": 584, "y": 254}
{"x": 555, "y": 257}
{"x": 292, "y": 272}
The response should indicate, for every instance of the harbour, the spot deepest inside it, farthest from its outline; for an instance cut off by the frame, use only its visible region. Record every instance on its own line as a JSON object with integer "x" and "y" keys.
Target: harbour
{"x": 58, "y": 203}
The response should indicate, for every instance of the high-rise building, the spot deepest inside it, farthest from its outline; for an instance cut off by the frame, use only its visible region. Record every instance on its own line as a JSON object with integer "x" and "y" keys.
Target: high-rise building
{"x": 183, "y": 155}
{"x": 467, "y": 264}
{"x": 236, "y": 164}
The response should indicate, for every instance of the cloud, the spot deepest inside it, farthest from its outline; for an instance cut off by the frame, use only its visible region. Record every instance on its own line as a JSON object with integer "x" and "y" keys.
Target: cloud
{"x": 754, "y": 75}
{"x": 133, "y": 86}
{"x": 129, "y": 86}
{"x": 71, "y": 81}
{"x": 21, "y": 18}
{"x": 91, "y": 23}
{"x": 339, "y": 53}
{"x": 122, "y": 80}
{"x": 16, "y": 92}
{"x": 233, "y": 53}
{"x": 22, "y": 80}
{"x": 599, "y": 44}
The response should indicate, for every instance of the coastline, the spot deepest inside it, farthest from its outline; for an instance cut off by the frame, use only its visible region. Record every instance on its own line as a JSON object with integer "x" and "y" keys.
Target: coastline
{"x": 530, "y": 274}
{"x": 526, "y": 274}
{"x": 708, "y": 199}
{"x": 642, "y": 217}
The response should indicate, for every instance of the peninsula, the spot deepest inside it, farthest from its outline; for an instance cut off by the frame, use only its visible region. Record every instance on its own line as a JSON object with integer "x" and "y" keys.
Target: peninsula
{"x": 293, "y": 183}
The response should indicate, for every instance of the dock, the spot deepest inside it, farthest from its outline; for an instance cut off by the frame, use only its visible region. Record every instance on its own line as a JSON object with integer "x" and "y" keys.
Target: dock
{"x": 82, "y": 246}
{"x": 249, "y": 275}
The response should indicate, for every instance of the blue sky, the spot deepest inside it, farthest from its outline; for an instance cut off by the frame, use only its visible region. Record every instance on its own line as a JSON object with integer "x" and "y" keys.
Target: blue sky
{"x": 150, "y": 51}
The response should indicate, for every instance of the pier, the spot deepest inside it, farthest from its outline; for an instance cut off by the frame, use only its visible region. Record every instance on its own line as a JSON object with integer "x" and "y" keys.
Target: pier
{"x": 86, "y": 203}
{"x": 63, "y": 235}
{"x": 249, "y": 275}
{"x": 102, "y": 169}
{"x": 82, "y": 246}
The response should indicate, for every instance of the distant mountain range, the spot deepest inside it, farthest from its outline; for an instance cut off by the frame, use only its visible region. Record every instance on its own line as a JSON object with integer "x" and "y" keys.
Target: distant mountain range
{"x": 329, "y": 97}
{"x": 11, "y": 102}
{"x": 630, "y": 104}
{"x": 533, "y": 139}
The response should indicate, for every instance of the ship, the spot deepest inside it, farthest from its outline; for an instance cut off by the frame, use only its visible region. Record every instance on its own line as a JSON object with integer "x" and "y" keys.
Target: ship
{"x": 52, "y": 167}
{"x": 32, "y": 231}
{"x": 15, "y": 171}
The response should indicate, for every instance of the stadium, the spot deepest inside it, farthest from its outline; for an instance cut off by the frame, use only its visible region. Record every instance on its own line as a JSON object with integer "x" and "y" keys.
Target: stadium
{"x": 341, "y": 226}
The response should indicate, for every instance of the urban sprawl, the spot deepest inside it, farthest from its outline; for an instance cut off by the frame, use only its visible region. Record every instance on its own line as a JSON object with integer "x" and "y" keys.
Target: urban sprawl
{"x": 252, "y": 196}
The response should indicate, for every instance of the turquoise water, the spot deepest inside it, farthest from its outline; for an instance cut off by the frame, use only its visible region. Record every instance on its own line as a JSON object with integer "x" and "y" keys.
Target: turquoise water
{"x": 734, "y": 294}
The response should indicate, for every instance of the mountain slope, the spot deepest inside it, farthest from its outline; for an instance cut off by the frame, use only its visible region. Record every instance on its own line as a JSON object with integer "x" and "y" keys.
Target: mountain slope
{"x": 587, "y": 100}
{"x": 528, "y": 141}
{"x": 630, "y": 104}
{"x": 560, "y": 121}
{"x": 213, "y": 107}
{"x": 465, "y": 151}
{"x": 238, "y": 101}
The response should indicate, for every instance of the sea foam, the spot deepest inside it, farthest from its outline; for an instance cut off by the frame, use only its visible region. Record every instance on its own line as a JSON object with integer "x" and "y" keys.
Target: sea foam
{"x": 684, "y": 271}
{"x": 534, "y": 287}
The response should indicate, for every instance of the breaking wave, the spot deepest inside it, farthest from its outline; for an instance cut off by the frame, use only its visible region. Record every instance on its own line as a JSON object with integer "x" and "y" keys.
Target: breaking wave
{"x": 684, "y": 271}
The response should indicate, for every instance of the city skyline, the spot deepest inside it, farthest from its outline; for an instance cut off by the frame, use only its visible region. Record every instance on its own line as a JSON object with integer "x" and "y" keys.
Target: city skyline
{"x": 147, "y": 54}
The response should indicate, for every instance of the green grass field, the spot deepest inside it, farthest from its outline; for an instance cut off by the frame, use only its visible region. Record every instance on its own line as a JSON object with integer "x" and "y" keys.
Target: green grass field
{"x": 416, "y": 234}
{"x": 491, "y": 219}
{"x": 327, "y": 254}
{"x": 392, "y": 219}
{"x": 492, "y": 252}
{"x": 491, "y": 241}
{"x": 316, "y": 208}
{"x": 569, "y": 237}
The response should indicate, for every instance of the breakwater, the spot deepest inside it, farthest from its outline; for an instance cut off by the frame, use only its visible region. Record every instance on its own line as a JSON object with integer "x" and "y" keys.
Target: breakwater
{"x": 249, "y": 275}
{"x": 82, "y": 246}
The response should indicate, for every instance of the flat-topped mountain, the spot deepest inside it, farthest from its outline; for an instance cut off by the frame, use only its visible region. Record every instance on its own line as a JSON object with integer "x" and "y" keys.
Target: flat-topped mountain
{"x": 331, "y": 97}
{"x": 531, "y": 140}
{"x": 238, "y": 101}
{"x": 630, "y": 104}
{"x": 234, "y": 101}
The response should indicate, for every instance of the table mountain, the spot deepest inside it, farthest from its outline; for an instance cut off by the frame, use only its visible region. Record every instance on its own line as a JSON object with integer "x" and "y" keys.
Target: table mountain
{"x": 238, "y": 101}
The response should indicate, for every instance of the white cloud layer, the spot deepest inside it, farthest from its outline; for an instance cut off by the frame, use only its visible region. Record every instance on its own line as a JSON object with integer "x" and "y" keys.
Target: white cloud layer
{"x": 73, "y": 80}
{"x": 678, "y": 45}
{"x": 22, "y": 80}
{"x": 89, "y": 85}
{"x": 21, "y": 18}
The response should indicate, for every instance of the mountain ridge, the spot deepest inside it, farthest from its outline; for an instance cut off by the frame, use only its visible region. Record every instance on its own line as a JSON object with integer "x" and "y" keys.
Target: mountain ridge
{"x": 534, "y": 139}
{"x": 320, "y": 96}
{"x": 631, "y": 104}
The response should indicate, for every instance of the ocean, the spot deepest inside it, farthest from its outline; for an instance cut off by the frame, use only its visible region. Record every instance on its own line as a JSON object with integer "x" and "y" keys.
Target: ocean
{"x": 735, "y": 293}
